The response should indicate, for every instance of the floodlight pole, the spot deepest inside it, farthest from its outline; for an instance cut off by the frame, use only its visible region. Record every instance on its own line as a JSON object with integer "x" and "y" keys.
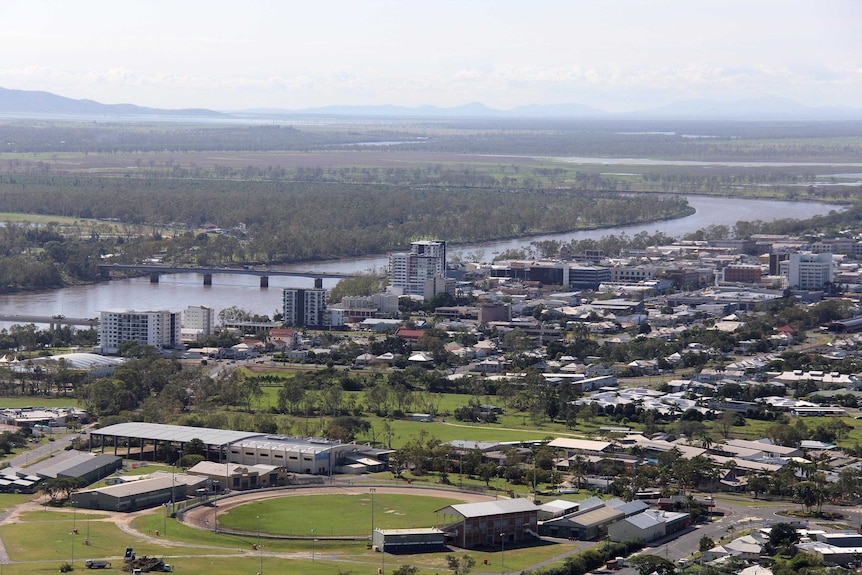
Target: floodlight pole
{"x": 372, "y": 490}
{"x": 259, "y": 548}
{"x": 313, "y": 539}
{"x": 502, "y": 553}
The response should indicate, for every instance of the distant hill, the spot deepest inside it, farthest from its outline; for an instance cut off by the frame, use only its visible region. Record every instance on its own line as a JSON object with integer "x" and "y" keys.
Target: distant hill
{"x": 34, "y": 102}
{"x": 765, "y": 108}
{"x": 474, "y": 110}
{"x": 22, "y": 102}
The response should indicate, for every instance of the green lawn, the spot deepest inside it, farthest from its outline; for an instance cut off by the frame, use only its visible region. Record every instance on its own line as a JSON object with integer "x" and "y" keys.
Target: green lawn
{"x": 178, "y": 532}
{"x": 10, "y": 500}
{"x": 28, "y": 401}
{"x": 335, "y": 514}
{"x": 53, "y": 541}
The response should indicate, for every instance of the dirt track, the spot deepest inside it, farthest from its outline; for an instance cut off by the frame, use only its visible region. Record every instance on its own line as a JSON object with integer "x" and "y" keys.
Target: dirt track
{"x": 203, "y": 517}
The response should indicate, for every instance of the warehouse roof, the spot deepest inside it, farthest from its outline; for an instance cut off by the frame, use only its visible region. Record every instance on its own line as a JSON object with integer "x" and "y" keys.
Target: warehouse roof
{"x": 135, "y": 487}
{"x": 175, "y": 433}
{"x": 595, "y": 517}
{"x": 580, "y": 444}
{"x": 490, "y": 508}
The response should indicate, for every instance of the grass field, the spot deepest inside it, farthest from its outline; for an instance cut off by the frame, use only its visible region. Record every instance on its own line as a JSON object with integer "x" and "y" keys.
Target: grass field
{"x": 27, "y": 401}
{"x": 54, "y": 541}
{"x": 335, "y": 514}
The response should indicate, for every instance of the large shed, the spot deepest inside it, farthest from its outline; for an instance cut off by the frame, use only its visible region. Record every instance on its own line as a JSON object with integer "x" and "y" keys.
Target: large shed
{"x": 583, "y": 526}
{"x": 490, "y": 522}
{"x": 142, "y": 440}
{"x": 422, "y": 540}
{"x": 131, "y": 496}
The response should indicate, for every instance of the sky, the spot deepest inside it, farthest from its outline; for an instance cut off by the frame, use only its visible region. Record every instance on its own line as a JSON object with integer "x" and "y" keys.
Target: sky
{"x": 615, "y": 55}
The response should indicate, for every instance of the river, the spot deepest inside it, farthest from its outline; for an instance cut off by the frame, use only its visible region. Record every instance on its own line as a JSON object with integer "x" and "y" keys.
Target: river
{"x": 176, "y": 292}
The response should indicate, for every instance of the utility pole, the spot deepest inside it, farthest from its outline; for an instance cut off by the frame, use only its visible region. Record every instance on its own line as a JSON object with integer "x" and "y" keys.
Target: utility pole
{"x": 259, "y": 547}
{"x": 372, "y": 490}
{"x": 503, "y": 553}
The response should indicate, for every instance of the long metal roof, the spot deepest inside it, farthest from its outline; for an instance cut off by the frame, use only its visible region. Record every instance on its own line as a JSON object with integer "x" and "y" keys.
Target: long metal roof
{"x": 491, "y": 508}
{"x": 175, "y": 433}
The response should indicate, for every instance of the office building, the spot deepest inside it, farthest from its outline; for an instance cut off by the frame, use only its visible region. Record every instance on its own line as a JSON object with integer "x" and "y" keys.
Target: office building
{"x": 807, "y": 271}
{"x": 160, "y": 329}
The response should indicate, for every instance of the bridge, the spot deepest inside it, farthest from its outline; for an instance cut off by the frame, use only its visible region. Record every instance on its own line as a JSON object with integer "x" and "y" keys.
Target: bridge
{"x": 53, "y": 320}
{"x": 208, "y": 272}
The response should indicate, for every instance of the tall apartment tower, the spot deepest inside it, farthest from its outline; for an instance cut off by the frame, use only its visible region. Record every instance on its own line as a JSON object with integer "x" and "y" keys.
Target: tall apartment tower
{"x": 305, "y": 307}
{"x": 199, "y": 318}
{"x": 411, "y": 273}
{"x": 160, "y": 329}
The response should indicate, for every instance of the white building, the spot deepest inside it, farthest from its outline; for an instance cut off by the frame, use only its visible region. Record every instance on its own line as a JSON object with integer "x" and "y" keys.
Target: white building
{"x": 200, "y": 319}
{"x": 305, "y": 307}
{"x": 160, "y": 329}
{"x": 410, "y": 273}
{"x": 807, "y": 271}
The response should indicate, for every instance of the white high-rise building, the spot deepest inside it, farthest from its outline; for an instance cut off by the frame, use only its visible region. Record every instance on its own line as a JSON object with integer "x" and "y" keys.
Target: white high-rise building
{"x": 410, "y": 272}
{"x": 200, "y": 319}
{"x": 160, "y": 329}
{"x": 305, "y": 307}
{"x": 807, "y": 271}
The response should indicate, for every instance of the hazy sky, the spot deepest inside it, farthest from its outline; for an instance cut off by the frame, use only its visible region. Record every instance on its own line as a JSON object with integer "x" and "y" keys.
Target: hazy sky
{"x": 616, "y": 55}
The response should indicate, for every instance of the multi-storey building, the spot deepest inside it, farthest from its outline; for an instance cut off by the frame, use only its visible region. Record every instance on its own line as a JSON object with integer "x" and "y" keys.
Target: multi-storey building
{"x": 632, "y": 274}
{"x": 808, "y": 271}
{"x": 742, "y": 273}
{"x": 160, "y": 329}
{"x": 566, "y": 274}
{"x": 419, "y": 272}
{"x": 199, "y": 318}
{"x": 305, "y": 307}
{"x": 838, "y": 246}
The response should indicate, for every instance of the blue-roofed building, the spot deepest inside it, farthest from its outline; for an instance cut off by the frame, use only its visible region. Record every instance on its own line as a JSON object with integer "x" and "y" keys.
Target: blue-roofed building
{"x": 628, "y": 508}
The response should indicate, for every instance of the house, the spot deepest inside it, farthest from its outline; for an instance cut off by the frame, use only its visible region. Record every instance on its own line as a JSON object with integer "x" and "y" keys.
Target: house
{"x": 410, "y": 335}
{"x": 492, "y": 523}
{"x": 283, "y": 339}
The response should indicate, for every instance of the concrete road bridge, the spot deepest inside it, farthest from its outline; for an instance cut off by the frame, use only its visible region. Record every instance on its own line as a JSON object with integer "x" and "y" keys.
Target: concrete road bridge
{"x": 208, "y": 272}
{"x": 53, "y": 320}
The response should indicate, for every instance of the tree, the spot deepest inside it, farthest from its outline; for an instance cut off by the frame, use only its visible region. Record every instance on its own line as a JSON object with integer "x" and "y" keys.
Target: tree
{"x": 726, "y": 423}
{"x": 647, "y": 564}
{"x": 406, "y": 570}
{"x": 782, "y": 537}
{"x": 60, "y": 488}
{"x": 705, "y": 544}
{"x": 486, "y": 471}
{"x": 758, "y": 484}
{"x": 461, "y": 565}
{"x": 194, "y": 446}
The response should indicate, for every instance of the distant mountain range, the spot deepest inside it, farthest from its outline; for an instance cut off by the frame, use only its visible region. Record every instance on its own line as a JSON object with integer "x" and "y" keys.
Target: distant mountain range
{"x": 25, "y": 103}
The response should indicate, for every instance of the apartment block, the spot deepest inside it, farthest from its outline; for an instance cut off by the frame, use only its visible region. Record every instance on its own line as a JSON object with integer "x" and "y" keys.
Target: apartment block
{"x": 411, "y": 273}
{"x": 305, "y": 307}
{"x": 199, "y": 318}
{"x": 160, "y": 329}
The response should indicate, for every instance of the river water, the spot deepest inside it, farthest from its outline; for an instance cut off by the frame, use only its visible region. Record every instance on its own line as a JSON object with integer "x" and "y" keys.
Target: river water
{"x": 176, "y": 292}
